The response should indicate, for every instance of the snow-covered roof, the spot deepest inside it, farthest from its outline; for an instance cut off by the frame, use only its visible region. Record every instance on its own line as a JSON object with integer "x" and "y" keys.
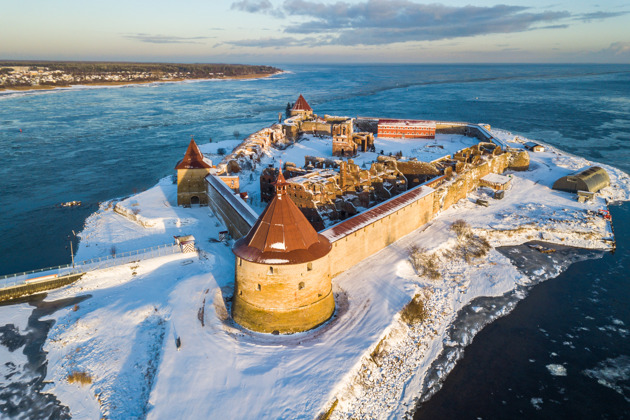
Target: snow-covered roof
{"x": 240, "y": 206}
{"x": 496, "y": 179}
{"x": 489, "y": 135}
{"x": 184, "y": 239}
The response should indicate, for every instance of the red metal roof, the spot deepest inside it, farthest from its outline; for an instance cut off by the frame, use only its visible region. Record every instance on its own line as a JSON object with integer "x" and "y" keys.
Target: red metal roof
{"x": 193, "y": 159}
{"x": 282, "y": 235}
{"x": 384, "y": 209}
{"x": 301, "y": 105}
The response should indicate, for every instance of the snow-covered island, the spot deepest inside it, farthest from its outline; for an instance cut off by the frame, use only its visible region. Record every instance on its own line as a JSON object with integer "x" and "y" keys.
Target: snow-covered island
{"x": 155, "y": 337}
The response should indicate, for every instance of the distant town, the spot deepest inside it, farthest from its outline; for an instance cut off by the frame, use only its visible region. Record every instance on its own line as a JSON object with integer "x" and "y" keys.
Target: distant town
{"x": 25, "y": 75}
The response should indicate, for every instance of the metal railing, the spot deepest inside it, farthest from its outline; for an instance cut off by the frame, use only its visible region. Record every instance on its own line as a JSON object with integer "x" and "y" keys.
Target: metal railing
{"x": 49, "y": 273}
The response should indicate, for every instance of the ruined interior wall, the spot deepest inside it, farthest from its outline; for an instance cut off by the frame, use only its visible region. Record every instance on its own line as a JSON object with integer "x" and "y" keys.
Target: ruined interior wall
{"x": 316, "y": 127}
{"x": 467, "y": 181}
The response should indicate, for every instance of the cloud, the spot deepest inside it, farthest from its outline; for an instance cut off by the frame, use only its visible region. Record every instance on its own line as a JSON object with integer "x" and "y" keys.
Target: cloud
{"x": 619, "y": 48}
{"x": 253, "y": 6}
{"x": 275, "y": 42}
{"x": 375, "y": 22}
{"x": 587, "y": 17}
{"x": 166, "y": 39}
{"x": 381, "y": 22}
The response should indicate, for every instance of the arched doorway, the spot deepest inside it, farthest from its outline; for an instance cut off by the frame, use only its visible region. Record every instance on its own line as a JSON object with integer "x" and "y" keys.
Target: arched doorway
{"x": 194, "y": 200}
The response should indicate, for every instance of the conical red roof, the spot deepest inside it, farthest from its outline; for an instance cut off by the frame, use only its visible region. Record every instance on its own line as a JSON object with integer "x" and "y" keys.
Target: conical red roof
{"x": 193, "y": 159}
{"x": 282, "y": 235}
{"x": 301, "y": 105}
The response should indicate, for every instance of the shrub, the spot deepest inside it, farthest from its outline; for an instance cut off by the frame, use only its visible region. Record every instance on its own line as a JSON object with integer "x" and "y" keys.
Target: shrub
{"x": 82, "y": 378}
{"x": 425, "y": 264}
{"x": 414, "y": 311}
{"x": 221, "y": 151}
{"x": 461, "y": 228}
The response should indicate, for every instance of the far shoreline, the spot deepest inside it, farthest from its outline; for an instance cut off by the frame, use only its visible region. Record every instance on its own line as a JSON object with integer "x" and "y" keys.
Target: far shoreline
{"x": 19, "y": 89}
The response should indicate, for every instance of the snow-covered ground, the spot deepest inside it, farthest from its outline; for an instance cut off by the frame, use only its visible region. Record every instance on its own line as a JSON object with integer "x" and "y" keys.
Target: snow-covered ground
{"x": 366, "y": 361}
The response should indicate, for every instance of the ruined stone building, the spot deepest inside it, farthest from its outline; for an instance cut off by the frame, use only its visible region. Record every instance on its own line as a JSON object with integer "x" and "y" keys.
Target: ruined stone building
{"x": 247, "y": 154}
{"x": 335, "y": 190}
{"x": 342, "y": 142}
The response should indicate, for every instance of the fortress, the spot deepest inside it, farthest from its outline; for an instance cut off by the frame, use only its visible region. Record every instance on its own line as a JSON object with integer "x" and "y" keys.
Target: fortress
{"x": 331, "y": 214}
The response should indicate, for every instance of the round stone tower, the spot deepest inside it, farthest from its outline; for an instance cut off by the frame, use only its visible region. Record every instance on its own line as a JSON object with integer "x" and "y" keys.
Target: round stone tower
{"x": 283, "y": 280}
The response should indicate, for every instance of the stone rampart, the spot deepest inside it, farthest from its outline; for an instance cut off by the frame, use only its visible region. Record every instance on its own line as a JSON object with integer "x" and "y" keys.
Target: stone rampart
{"x": 235, "y": 213}
{"x": 40, "y": 286}
{"x": 366, "y": 234}
{"x": 379, "y": 233}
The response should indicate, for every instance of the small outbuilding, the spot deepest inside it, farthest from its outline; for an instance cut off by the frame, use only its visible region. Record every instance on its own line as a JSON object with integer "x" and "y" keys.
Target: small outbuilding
{"x": 496, "y": 181}
{"x": 186, "y": 243}
{"x": 592, "y": 179}
{"x": 534, "y": 147}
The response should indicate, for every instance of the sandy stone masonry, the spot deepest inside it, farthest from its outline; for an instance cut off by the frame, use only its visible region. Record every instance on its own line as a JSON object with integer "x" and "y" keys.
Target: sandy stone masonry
{"x": 282, "y": 282}
{"x": 284, "y": 267}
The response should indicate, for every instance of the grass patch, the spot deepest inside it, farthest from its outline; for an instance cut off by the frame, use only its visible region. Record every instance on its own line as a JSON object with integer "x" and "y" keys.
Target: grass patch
{"x": 82, "y": 378}
{"x": 327, "y": 414}
{"x": 378, "y": 353}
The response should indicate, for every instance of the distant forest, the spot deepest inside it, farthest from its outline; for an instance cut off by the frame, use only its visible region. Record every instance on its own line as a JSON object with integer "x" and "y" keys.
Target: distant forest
{"x": 196, "y": 70}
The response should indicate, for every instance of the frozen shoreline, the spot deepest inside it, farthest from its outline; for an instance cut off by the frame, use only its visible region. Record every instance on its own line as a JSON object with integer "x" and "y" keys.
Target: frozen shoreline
{"x": 4, "y": 92}
{"x": 310, "y": 370}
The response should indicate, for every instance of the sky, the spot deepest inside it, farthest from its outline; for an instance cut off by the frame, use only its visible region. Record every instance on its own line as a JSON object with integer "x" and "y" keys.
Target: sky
{"x": 318, "y": 31}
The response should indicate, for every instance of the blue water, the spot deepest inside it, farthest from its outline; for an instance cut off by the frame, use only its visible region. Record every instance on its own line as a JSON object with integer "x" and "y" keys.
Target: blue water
{"x": 100, "y": 143}
{"x": 579, "y": 320}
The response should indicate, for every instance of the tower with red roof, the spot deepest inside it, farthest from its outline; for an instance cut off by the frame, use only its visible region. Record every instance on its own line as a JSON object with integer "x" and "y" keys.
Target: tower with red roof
{"x": 301, "y": 107}
{"x": 283, "y": 279}
{"x": 191, "y": 173}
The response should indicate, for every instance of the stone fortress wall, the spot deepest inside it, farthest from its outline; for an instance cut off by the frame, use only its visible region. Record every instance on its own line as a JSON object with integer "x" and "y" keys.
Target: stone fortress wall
{"x": 382, "y": 230}
{"x": 284, "y": 296}
{"x": 359, "y": 237}
{"x": 235, "y": 213}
